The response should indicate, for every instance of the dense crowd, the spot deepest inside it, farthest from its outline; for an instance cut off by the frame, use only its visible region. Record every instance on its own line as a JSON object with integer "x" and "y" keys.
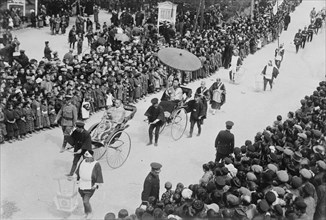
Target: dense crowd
{"x": 32, "y": 92}
{"x": 280, "y": 174}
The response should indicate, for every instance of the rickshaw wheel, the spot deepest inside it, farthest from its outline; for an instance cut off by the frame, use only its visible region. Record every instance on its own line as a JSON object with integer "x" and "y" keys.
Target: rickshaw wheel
{"x": 179, "y": 124}
{"x": 99, "y": 150}
{"x": 118, "y": 149}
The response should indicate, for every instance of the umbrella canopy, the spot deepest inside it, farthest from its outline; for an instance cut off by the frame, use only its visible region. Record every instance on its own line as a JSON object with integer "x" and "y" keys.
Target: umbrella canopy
{"x": 179, "y": 59}
{"x": 121, "y": 37}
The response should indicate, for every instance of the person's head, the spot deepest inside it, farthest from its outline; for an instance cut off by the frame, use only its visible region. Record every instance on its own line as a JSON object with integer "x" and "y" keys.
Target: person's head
{"x": 175, "y": 83}
{"x": 88, "y": 155}
{"x": 117, "y": 103}
{"x": 229, "y": 124}
{"x": 109, "y": 216}
{"x": 80, "y": 126}
{"x": 156, "y": 168}
{"x": 197, "y": 98}
{"x": 154, "y": 102}
{"x": 203, "y": 84}
{"x": 270, "y": 63}
{"x": 218, "y": 80}
{"x": 123, "y": 213}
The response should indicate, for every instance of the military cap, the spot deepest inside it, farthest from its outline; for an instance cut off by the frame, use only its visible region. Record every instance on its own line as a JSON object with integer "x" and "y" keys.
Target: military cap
{"x": 154, "y": 101}
{"x": 22, "y": 51}
{"x": 63, "y": 69}
{"x": 229, "y": 123}
{"x": 156, "y": 166}
{"x": 80, "y": 124}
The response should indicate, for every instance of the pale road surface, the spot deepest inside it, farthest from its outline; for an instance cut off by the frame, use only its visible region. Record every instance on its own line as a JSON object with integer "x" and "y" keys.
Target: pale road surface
{"x": 28, "y": 168}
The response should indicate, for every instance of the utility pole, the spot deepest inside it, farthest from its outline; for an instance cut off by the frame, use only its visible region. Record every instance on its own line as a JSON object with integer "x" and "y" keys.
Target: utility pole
{"x": 202, "y": 15}
{"x": 252, "y": 6}
{"x": 278, "y": 28}
{"x": 197, "y": 15}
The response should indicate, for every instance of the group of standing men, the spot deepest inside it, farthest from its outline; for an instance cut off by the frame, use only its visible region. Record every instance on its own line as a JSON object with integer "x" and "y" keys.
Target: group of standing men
{"x": 306, "y": 35}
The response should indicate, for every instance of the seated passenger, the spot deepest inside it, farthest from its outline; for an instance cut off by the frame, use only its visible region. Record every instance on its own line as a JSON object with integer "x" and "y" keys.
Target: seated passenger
{"x": 112, "y": 117}
{"x": 175, "y": 92}
{"x": 172, "y": 96}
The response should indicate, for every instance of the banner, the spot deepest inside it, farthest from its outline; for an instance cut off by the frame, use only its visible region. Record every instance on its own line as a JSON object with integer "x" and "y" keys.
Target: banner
{"x": 167, "y": 12}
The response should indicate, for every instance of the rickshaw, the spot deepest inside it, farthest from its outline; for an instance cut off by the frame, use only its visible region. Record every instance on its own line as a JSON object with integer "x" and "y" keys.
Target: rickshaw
{"x": 115, "y": 144}
{"x": 176, "y": 115}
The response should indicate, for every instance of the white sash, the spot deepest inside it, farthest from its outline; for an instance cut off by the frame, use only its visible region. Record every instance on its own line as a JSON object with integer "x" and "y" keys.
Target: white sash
{"x": 85, "y": 173}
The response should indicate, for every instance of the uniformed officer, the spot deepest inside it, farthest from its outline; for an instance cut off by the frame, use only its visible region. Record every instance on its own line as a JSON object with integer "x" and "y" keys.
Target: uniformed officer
{"x": 152, "y": 183}
{"x": 224, "y": 142}
{"x": 81, "y": 141}
{"x": 311, "y": 29}
{"x": 304, "y": 35}
{"x": 67, "y": 116}
{"x": 47, "y": 51}
{"x": 297, "y": 40}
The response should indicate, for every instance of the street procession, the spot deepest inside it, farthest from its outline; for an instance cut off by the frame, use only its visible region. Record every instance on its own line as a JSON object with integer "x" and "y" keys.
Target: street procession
{"x": 158, "y": 109}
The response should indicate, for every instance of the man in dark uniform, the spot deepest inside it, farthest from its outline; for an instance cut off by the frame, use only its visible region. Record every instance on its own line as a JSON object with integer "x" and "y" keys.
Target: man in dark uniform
{"x": 67, "y": 116}
{"x": 47, "y": 51}
{"x": 224, "y": 142}
{"x": 287, "y": 20}
{"x": 197, "y": 109}
{"x": 81, "y": 141}
{"x": 152, "y": 184}
{"x": 304, "y": 35}
{"x": 203, "y": 92}
{"x": 156, "y": 119}
{"x": 311, "y": 28}
{"x": 297, "y": 40}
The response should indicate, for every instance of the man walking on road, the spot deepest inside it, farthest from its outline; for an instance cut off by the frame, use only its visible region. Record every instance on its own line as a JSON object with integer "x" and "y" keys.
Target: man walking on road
{"x": 224, "y": 142}
{"x": 81, "y": 141}
{"x": 89, "y": 177}
{"x": 297, "y": 40}
{"x": 269, "y": 72}
{"x": 152, "y": 184}
{"x": 155, "y": 115}
{"x": 67, "y": 116}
